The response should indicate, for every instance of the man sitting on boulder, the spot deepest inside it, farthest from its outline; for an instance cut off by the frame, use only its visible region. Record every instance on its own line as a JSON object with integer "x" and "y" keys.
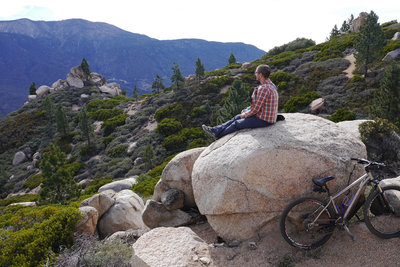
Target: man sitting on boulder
{"x": 262, "y": 112}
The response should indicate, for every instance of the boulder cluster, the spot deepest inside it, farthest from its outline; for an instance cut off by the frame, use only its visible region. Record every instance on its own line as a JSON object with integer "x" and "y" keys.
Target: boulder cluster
{"x": 77, "y": 78}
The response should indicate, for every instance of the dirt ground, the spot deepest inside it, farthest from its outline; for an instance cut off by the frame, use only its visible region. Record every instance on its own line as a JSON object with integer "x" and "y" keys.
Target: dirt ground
{"x": 271, "y": 250}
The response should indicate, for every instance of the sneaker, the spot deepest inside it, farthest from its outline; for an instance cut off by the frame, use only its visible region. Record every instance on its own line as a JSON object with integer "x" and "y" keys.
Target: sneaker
{"x": 208, "y": 131}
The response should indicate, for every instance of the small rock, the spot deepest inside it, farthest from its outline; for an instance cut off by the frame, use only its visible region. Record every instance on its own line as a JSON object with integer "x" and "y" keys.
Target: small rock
{"x": 205, "y": 260}
{"x": 253, "y": 245}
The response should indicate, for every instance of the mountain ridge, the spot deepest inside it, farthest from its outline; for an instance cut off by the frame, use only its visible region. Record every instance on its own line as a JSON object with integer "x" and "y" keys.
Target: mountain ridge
{"x": 42, "y": 52}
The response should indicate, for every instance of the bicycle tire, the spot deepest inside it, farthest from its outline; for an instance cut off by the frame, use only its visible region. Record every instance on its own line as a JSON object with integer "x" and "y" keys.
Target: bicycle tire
{"x": 382, "y": 212}
{"x": 295, "y": 219}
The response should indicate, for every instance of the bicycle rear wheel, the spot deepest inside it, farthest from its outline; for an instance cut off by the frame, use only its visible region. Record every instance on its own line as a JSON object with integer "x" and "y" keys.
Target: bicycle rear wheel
{"x": 382, "y": 212}
{"x": 304, "y": 224}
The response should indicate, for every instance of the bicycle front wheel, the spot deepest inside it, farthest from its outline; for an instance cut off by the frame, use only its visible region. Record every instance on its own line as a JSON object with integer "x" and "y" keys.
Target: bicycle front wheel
{"x": 382, "y": 212}
{"x": 306, "y": 224}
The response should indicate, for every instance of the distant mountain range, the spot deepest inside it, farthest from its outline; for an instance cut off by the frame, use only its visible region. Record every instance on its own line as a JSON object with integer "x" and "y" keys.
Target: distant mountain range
{"x": 43, "y": 52}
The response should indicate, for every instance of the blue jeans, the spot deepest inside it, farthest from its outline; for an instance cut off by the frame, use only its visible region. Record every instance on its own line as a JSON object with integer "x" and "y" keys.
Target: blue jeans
{"x": 237, "y": 123}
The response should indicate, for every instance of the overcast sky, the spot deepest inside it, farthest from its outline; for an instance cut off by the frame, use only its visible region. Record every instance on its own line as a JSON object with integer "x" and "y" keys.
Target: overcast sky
{"x": 263, "y": 23}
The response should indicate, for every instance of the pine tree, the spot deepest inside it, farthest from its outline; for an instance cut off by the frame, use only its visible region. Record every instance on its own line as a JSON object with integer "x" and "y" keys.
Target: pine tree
{"x": 32, "y": 89}
{"x": 58, "y": 185}
{"x": 85, "y": 67}
{"x": 3, "y": 176}
{"x": 345, "y": 27}
{"x": 148, "y": 156}
{"x": 387, "y": 100}
{"x": 157, "y": 84}
{"x": 135, "y": 93}
{"x": 85, "y": 126}
{"x": 231, "y": 59}
{"x": 61, "y": 121}
{"x": 236, "y": 101}
{"x": 199, "y": 69}
{"x": 176, "y": 77}
{"x": 335, "y": 32}
{"x": 368, "y": 42}
{"x": 49, "y": 109}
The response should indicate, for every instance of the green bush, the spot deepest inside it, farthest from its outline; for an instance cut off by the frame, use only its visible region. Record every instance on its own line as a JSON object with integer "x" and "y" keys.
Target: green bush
{"x": 93, "y": 186}
{"x": 392, "y": 45}
{"x": 299, "y": 43}
{"x": 199, "y": 142}
{"x": 87, "y": 150}
{"x": 33, "y": 181}
{"x": 28, "y": 234}
{"x": 357, "y": 78}
{"x": 377, "y": 129}
{"x": 145, "y": 185}
{"x": 174, "y": 142}
{"x": 118, "y": 151}
{"x": 281, "y": 76}
{"x": 282, "y": 86}
{"x": 98, "y": 104}
{"x": 74, "y": 168}
{"x": 16, "y": 131}
{"x": 296, "y": 103}
{"x": 170, "y": 111}
{"x": 168, "y": 126}
{"x": 197, "y": 112}
{"x": 104, "y": 114}
{"x": 109, "y": 125}
{"x": 342, "y": 115}
{"x": 19, "y": 198}
{"x": 334, "y": 47}
{"x": 215, "y": 84}
{"x": 107, "y": 140}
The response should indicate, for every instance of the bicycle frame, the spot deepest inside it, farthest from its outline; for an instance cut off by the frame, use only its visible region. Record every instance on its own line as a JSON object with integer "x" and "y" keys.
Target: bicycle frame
{"x": 362, "y": 180}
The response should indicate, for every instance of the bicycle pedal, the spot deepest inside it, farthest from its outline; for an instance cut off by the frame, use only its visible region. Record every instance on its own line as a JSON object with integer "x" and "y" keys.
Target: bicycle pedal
{"x": 349, "y": 233}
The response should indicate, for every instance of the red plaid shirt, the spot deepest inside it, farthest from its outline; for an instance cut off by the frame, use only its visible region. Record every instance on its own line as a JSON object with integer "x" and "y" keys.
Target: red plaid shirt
{"x": 264, "y": 103}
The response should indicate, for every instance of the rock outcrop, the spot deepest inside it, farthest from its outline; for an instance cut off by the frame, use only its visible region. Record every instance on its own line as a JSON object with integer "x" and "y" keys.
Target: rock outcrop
{"x": 171, "y": 247}
{"x": 243, "y": 181}
{"x": 126, "y": 213}
{"x": 178, "y": 174}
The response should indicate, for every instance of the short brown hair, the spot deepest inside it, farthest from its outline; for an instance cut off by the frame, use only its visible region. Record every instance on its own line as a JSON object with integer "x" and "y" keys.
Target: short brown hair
{"x": 265, "y": 70}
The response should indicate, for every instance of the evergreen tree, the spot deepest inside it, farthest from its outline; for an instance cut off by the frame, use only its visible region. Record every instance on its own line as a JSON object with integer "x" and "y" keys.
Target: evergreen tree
{"x": 85, "y": 67}
{"x": 199, "y": 69}
{"x": 32, "y": 89}
{"x": 148, "y": 156}
{"x": 61, "y": 121}
{"x": 49, "y": 109}
{"x": 368, "y": 42}
{"x": 3, "y": 177}
{"x": 335, "y": 32}
{"x": 58, "y": 186}
{"x": 176, "y": 77}
{"x": 345, "y": 27}
{"x": 387, "y": 100}
{"x": 157, "y": 84}
{"x": 85, "y": 125}
{"x": 135, "y": 93}
{"x": 237, "y": 100}
{"x": 231, "y": 59}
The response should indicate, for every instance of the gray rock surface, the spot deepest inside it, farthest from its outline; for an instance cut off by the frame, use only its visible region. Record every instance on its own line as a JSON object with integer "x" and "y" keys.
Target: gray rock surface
{"x": 243, "y": 181}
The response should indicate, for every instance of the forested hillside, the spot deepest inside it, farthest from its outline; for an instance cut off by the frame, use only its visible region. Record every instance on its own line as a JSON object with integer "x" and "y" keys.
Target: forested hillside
{"x": 95, "y": 137}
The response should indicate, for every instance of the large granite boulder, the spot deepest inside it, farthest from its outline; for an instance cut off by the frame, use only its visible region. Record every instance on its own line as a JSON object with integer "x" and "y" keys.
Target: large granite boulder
{"x": 168, "y": 246}
{"x": 125, "y": 214}
{"x": 243, "y": 181}
{"x": 119, "y": 185}
{"x": 113, "y": 89}
{"x": 178, "y": 174}
{"x": 101, "y": 202}
{"x": 87, "y": 223}
{"x": 155, "y": 214}
{"x": 43, "y": 90}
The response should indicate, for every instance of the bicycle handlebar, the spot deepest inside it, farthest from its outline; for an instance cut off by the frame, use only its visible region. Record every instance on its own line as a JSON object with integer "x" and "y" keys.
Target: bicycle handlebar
{"x": 369, "y": 163}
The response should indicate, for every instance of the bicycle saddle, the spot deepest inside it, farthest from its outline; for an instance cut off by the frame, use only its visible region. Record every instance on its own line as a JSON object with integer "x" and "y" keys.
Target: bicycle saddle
{"x": 322, "y": 180}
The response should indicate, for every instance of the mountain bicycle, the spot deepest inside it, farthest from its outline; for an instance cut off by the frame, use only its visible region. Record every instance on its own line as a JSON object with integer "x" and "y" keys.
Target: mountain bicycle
{"x": 309, "y": 222}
